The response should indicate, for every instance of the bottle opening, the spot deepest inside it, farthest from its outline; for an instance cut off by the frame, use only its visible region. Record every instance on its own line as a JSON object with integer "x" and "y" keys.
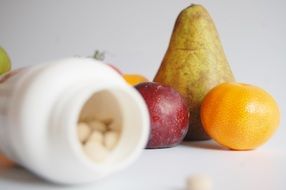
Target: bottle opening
{"x": 112, "y": 126}
{"x": 99, "y": 126}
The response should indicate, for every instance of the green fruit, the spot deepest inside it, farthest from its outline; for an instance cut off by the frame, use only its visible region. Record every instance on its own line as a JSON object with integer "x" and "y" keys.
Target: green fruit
{"x": 5, "y": 64}
{"x": 194, "y": 63}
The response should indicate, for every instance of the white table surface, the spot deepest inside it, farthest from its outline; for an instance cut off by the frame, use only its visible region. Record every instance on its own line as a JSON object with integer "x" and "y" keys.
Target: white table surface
{"x": 135, "y": 34}
{"x": 167, "y": 169}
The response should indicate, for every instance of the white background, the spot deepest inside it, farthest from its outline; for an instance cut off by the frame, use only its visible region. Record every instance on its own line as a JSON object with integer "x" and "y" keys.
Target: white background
{"x": 135, "y": 35}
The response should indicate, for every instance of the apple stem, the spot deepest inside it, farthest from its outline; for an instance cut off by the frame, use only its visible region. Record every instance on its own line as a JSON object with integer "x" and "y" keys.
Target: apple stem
{"x": 98, "y": 55}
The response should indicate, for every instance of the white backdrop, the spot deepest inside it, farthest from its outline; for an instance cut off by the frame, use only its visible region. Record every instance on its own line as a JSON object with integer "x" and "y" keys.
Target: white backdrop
{"x": 135, "y": 35}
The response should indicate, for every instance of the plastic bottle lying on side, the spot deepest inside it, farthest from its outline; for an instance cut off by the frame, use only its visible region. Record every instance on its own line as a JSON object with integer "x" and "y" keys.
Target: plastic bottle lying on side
{"x": 41, "y": 106}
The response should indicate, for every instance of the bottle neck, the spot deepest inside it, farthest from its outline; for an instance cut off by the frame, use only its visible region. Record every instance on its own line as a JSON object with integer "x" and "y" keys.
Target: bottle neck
{"x": 65, "y": 146}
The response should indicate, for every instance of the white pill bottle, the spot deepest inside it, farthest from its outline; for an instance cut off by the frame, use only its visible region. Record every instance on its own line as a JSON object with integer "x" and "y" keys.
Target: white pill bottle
{"x": 41, "y": 105}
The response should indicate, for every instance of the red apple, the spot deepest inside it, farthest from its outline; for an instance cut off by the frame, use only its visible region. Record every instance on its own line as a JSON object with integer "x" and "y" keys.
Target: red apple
{"x": 168, "y": 112}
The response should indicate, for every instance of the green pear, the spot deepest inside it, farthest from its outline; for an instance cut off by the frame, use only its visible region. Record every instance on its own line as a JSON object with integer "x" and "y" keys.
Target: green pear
{"x": 5, "y": 64}
{"x": 194, "y": 63}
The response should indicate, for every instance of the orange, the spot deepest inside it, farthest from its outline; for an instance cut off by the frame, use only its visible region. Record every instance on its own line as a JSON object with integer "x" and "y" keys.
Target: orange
{"x": 134, "y": 79}
{"x": 239, "y": 116}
